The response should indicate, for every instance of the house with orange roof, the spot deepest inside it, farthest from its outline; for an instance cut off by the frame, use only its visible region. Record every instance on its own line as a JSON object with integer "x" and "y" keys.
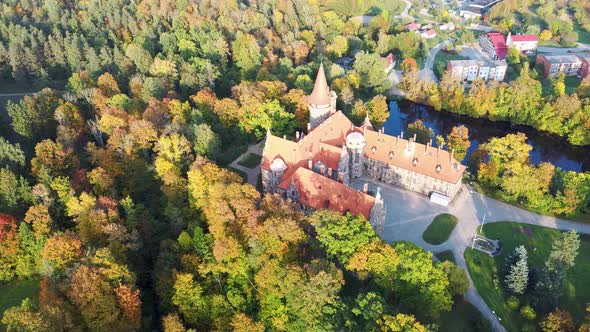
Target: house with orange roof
{"x": 315, "y": 170}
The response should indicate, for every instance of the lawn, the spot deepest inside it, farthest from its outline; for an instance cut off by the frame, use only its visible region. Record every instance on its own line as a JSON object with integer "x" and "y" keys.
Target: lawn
{"x": 583, "y": 35}
{"x": 13, "y": 293}
{"x": 487, "y": 272}
{"x": 440, "y": 229}
{"x": 463, "y": 318}
{"x": 440, "y": 62}
{"x": 446, "y": 255}
{"x": 250, "y": 160}
{"x": 367, "y": 7}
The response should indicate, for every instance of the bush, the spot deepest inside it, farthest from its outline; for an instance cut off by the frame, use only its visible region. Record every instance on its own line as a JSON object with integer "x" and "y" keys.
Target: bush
{"x": 528, "y": 313}
{"x": 512, "y": 303}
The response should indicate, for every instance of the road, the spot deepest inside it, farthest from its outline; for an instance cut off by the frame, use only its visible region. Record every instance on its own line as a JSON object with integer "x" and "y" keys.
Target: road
{"x": 251, "y": 172}
{"x": 564, "y": 50}
{"x": 409, "y": 214}
{"x": 427, "y": 71}
{"x": 406, "y": 10}
{"x": 16, "y": 94}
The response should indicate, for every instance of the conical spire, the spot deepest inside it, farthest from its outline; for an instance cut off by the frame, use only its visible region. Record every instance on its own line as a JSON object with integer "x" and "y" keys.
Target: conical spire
{"x": 321, "y": 92}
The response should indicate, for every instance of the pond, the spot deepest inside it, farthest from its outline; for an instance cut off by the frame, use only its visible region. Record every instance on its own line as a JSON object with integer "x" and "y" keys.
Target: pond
{"x": 546, "y": 147}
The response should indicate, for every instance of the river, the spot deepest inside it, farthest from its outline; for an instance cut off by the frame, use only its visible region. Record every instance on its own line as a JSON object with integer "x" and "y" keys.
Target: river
{"x": 546, "y": 147}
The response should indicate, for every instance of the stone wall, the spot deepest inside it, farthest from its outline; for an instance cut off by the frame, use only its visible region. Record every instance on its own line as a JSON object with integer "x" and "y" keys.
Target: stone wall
{"x": 408, "y": 179}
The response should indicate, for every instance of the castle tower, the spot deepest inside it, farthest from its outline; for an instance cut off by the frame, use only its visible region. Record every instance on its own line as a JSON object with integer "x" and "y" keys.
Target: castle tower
{"x": 322, "y": 101}
{"x": 377, "y": 218}
{"x": 355, "y": 144}
{"x": 343, "y": 167}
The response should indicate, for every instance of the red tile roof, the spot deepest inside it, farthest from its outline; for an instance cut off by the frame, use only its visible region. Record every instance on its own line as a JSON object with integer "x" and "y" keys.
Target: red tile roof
{"x": 524, "y": 38}
{"x": 413, "y": 26}
{"x": 430, "y": 32}
{"x": 499, "y": 42}
{"x": 320, "y": 192}
{"x": 325, "y": 142}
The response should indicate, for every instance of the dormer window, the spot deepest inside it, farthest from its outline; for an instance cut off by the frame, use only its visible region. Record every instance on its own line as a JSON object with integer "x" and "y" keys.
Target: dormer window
{"x": 391, "y": 155}
{"x": 438, "y": 168}
{"x": 415, "y": 162}
{"x": 456, "y": 166}
{"x": 374, "y": 149}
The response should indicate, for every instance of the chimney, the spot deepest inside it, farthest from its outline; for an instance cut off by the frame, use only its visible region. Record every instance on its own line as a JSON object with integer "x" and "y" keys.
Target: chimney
{"x": 308, "y": 127}
{"x": 437, "y": 151}
{"x": 364, "y": 130}
{"x": 426, "y": 147}
{"x": 401, "y": 135}
{"x": 366, "y": 188}
{"x": 452, "y": 154}
{"x": 396, "y": 140}
{"x": 408, "y": 145}
{"x": 340, "y": 176}
{"x": 309, "y": 164}
{"x": 297, "y": 135}
{"x": 329, "y": 172}
{"x": 284, "y": 136}
{"x": 414, "y": 137}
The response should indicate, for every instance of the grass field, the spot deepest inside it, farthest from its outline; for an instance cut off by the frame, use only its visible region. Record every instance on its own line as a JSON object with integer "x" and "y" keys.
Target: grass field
{"x": 250, "y": 160}
{"x": 366, "y": 7}
{"x": 487, "y": 272}
{"x": 15, "y": 292}
{"x": 440, "y": 229}
{"x": 463, "y": 318}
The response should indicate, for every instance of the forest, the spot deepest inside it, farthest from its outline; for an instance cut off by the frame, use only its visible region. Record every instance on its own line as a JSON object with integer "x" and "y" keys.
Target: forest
{"x": 129, "y": 226}
{"x": 114, "y": 193}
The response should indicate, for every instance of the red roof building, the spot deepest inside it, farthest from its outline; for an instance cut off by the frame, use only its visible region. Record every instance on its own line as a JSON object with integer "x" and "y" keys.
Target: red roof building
{"x": 527, "y": 44}
{"x": 315, "y": 170}
{"x": 413, "y": 26}
{"x": 494, "y": 44}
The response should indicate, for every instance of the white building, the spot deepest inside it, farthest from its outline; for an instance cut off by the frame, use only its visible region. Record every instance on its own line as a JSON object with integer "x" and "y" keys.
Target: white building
{"x": 470, "y": 70}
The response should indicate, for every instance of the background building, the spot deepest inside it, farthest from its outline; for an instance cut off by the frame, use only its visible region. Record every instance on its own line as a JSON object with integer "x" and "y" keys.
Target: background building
{"x": 470, "y": 70}
{"x": 496, "y": 45}
{"x": 527, "y": 44}
{"x": 568, "y": 64}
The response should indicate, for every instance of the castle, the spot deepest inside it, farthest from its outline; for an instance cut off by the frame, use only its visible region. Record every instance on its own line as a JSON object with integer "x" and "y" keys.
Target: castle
{"x": 315, "y": 170}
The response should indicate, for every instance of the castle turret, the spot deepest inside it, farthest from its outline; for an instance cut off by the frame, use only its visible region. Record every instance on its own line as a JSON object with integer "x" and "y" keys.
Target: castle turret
{"x": 355, "y": 143}
{"x": 277, "y": 170}
{"x": 321, "y": 102}
{"x": 343, "y": 167}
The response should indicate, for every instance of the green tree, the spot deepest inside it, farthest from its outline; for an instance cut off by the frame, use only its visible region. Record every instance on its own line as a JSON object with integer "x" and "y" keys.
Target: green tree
{"x": 420, "y": 284}
{"x": 518, "y": 274}
{"x": 371, "y": 69}
{"x": 246, "y": 53}
{"x": 564, "y": 250}
{"x": 342, "y": 236}
{"x": 513, "y": 56}
{"x": 418, "y": 128}
{"x": 458, "y": 140}
{"x": 25, "y": 318}
{"x": 378, "y": 111}
{"x": 458, "y": 280}
{"x": 206, "y": 142}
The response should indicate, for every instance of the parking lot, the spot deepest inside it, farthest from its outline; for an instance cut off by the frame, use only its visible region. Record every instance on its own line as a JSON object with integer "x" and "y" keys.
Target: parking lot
{"x": 474, "y": 52}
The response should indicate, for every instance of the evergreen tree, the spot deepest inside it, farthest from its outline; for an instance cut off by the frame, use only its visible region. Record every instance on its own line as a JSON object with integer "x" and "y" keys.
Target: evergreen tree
{"x": 518, "y": 275}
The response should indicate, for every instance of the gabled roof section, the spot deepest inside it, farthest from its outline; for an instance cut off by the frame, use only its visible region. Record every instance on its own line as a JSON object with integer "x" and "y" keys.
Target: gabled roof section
{"x": 524, "y": 38}
{"x": 320, "y": 192}
{"x": 321, "y": 92}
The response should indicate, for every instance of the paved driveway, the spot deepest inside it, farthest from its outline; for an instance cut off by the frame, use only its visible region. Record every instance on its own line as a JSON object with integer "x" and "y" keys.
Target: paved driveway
{"x": 409, "y": 214}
